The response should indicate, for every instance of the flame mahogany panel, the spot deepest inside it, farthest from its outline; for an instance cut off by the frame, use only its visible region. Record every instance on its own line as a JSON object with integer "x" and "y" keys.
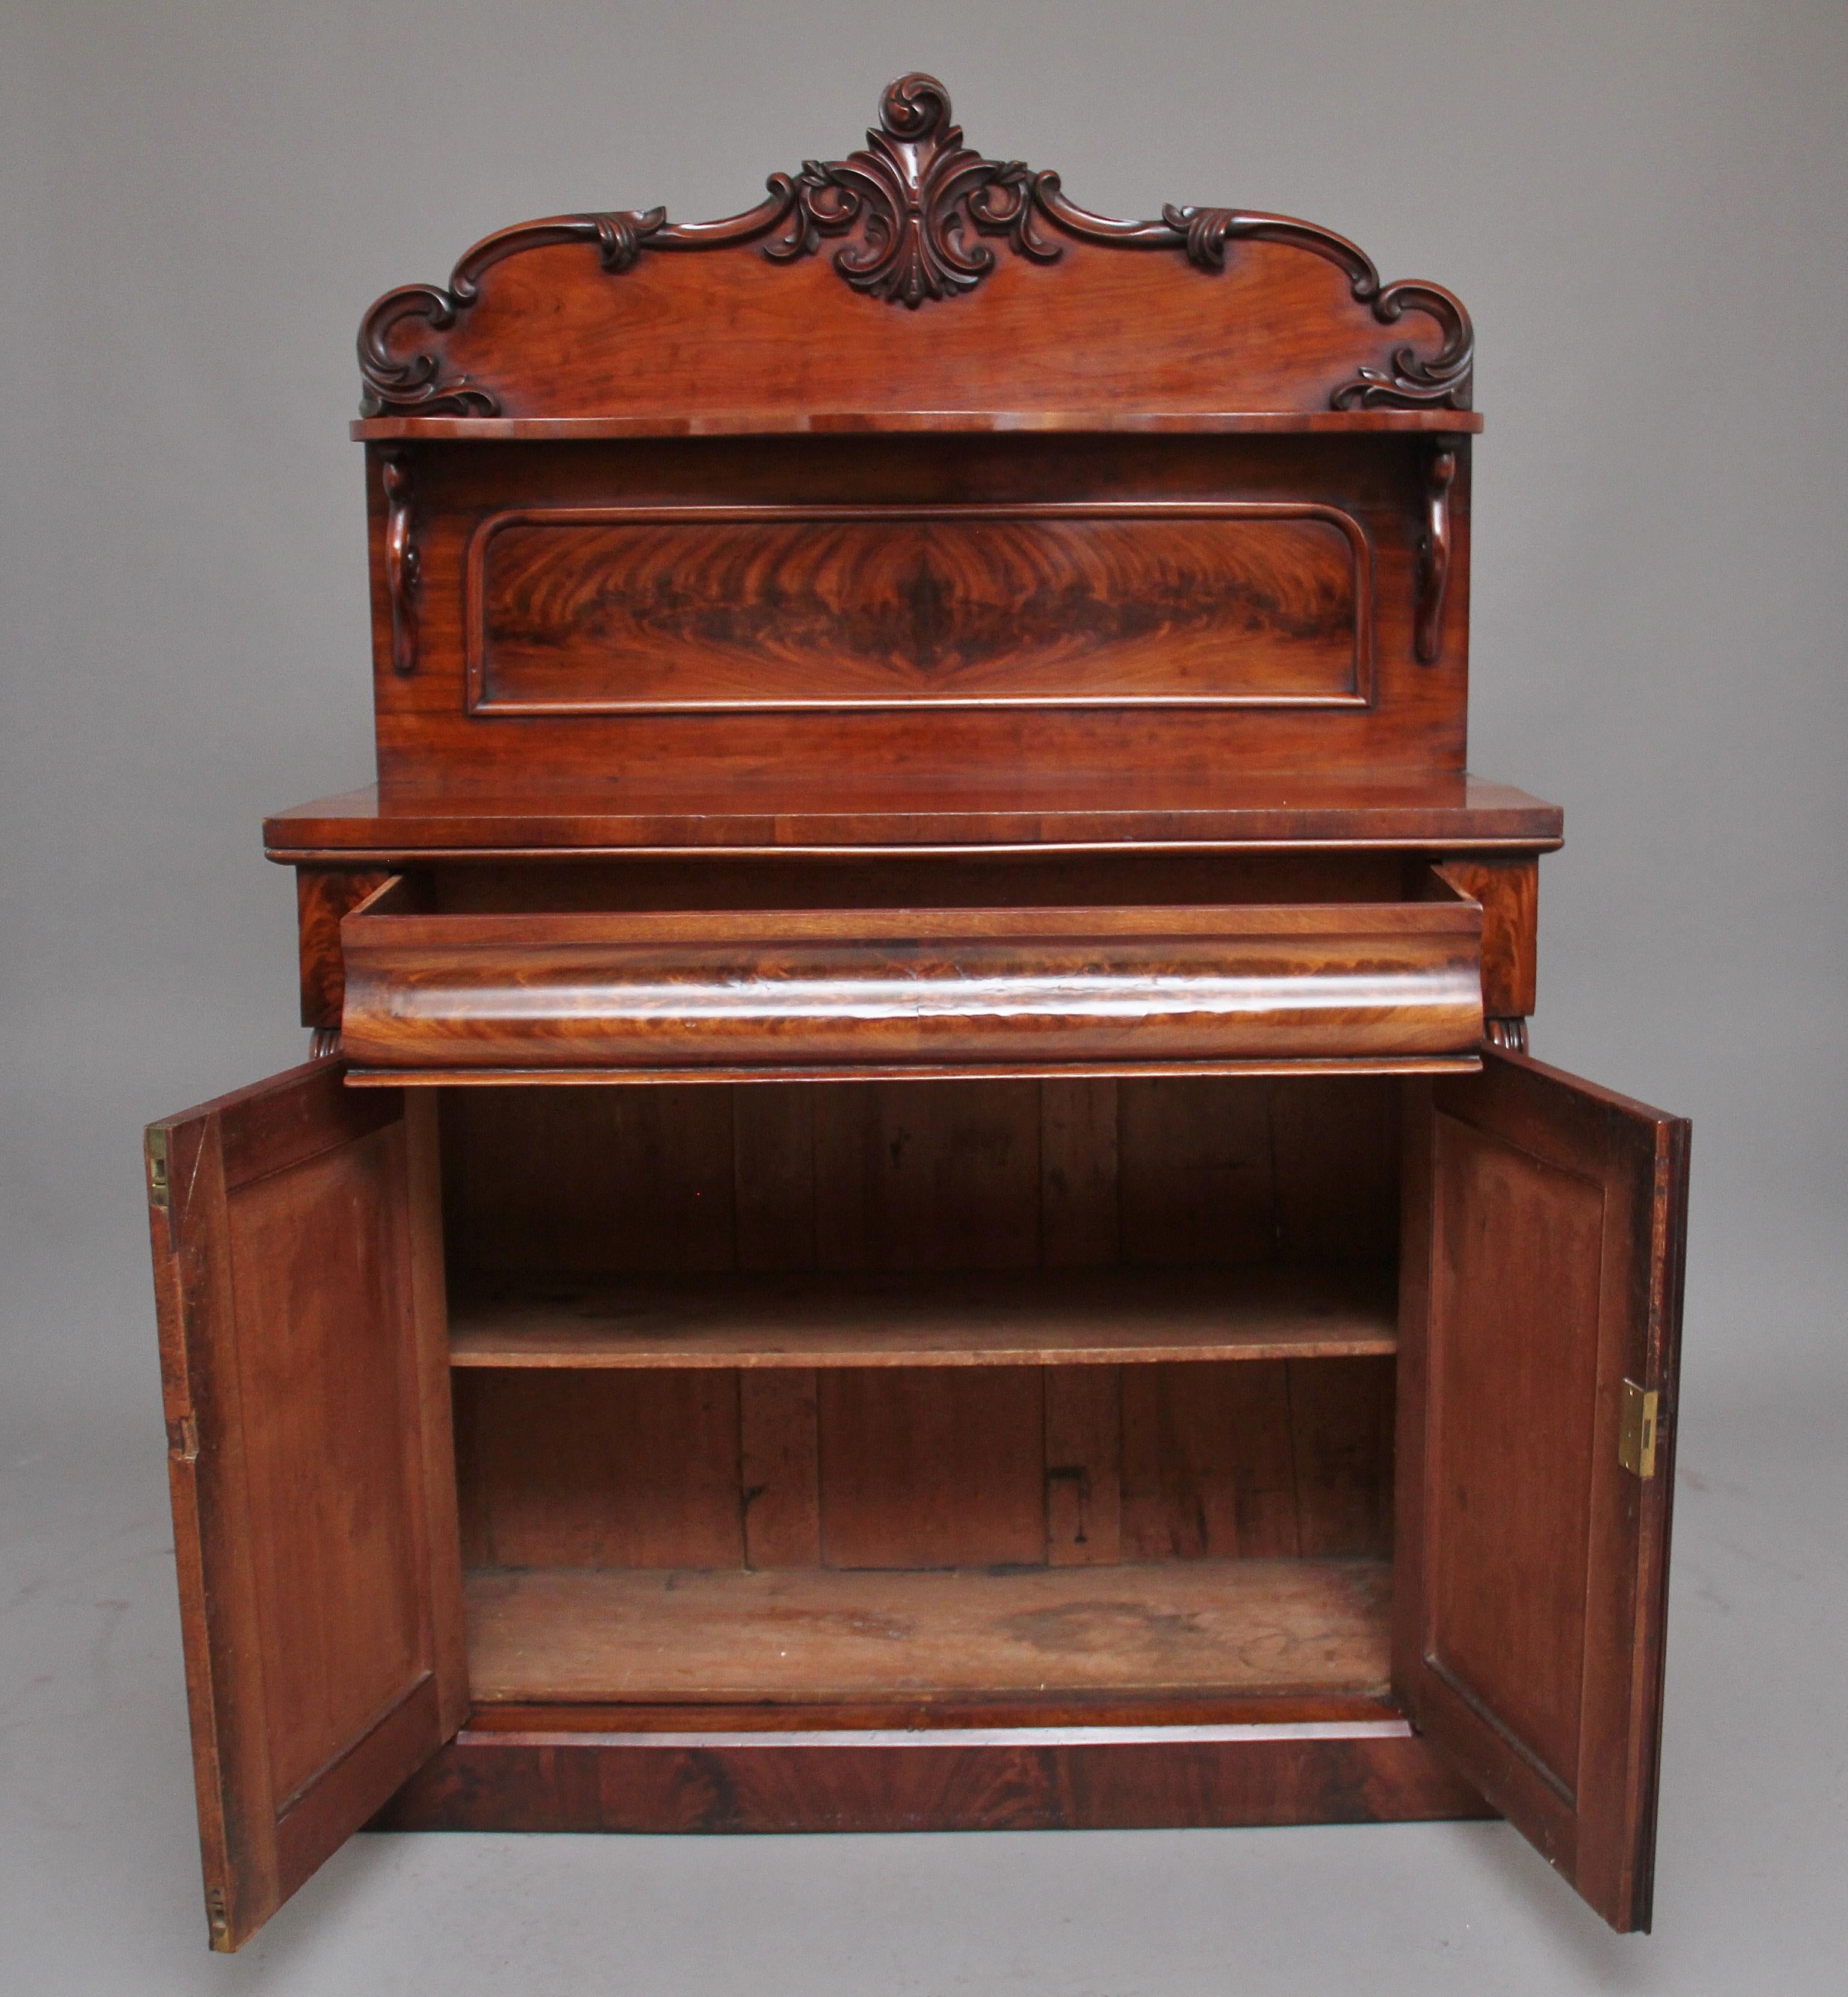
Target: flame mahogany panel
{"x": 613, "y": 609}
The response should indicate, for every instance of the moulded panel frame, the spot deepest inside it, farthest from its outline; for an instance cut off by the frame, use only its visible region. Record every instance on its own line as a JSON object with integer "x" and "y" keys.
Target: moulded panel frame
{"x": 482, "y": 702}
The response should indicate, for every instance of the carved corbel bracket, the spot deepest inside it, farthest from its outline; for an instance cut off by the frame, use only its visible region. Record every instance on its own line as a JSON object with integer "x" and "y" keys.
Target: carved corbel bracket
{"x": 401, "y": 566}
{"x": 1434, "y": 550}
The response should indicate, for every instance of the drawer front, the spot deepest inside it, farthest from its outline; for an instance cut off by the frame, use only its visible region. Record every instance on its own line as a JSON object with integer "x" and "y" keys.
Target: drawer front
{"x": 845, "y": 990}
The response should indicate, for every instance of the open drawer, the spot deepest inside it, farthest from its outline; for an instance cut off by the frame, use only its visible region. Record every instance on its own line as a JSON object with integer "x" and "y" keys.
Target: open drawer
{"x": 565, "y": 993}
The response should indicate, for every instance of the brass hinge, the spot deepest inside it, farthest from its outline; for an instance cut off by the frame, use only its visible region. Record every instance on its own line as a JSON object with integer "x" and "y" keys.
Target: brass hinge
{"x": 157, "y": 1168}
{"x": 182, "y": 1440}
{"x": 1636, "y": 1443}
{"x": 217, "y": 1923}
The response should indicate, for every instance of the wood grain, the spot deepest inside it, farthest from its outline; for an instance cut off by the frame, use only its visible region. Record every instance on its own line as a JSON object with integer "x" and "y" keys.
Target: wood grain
{"x": 969, "y": 878}
{"x": 1207, "y": 1467}
{"x": 313, "y": 1495}
{"x": 933, "y": 1466}
{"x": 612, "y": 1469}
{"x": 1047, "y": 1715}
{"x": 1196, "y": 1180}
{"x": 918, "y": 627}
{"x": 1364, "y": 1771}
{"x": 613, "y": 609}
{"x": 892, "y": 1466}
{"x": 779, "y": 1467}
{"x": 1341, "y": 1427}
{"x": 780, "y": 809}
{"x": 898, "y": 422}
{"x": 799, "y": 1322}
{"x": 943, "y": 1176}
{"x": 324, "y": 895}
{"x": 1078, "y": 1174}
{"x": 590, "y": 1181}
{"x": 1295, "y": 1067}
{"x": 774, "y": 1165}
{"x": 1061, "y": 308}
{"x": 1544, "y": 1220}
{"x": 825, "y": 988}
{"x": 1281, "y": 1626}
{"x": 1021, "y": 702}
{"x": 1509, "y": 887}
{"x": 1084, "y": 1466}
{"x": 1335, "y": 1169}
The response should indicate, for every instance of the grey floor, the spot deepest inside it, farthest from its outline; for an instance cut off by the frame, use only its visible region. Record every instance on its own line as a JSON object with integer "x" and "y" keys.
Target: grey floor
{"x": 98, "y": 1888}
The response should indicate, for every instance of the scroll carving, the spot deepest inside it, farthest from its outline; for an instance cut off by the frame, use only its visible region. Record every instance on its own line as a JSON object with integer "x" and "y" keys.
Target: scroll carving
{"x": 401, "y": 567}
{"x": 1414, "y": 380}
{"x": 913, "y": 207}
{"x": 414, "y": 384}
{"x": 1434, "y": 551}
{"x": 917, "y": 198}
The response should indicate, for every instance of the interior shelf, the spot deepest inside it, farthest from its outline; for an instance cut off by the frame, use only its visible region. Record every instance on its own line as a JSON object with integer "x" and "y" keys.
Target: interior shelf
{"x": 1274, "y": 1626}
{"x": 1079, "y": 1317}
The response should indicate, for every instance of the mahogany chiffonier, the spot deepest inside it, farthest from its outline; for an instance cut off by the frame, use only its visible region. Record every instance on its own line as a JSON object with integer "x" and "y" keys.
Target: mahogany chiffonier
{"x": 918, "y": 1202}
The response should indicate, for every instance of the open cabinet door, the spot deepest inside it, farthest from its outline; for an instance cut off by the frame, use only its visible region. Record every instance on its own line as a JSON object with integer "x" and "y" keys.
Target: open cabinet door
{"x": 1541, "y": 1307}
{"x": 298, "y": 1270}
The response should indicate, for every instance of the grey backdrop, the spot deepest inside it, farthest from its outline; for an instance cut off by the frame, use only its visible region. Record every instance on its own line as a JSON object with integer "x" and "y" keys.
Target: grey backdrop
{"x": 1641, "y": 202}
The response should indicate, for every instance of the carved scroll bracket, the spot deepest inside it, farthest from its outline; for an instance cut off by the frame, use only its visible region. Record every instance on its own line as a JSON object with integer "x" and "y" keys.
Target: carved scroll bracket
{"x": 401, "y": 566}
{"x": 1434, "y": 550}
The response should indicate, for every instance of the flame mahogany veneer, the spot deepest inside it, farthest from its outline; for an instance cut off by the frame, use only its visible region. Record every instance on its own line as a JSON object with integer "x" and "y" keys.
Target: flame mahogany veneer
{"x": 841, "y": 989}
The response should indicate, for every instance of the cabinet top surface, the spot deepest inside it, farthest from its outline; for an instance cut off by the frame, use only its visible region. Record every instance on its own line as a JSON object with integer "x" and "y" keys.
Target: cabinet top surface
{"x": 768, "y": 810}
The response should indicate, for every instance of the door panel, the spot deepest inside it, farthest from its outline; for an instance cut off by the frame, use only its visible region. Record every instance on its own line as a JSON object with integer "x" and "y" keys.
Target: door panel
{"x": 298, "y": 1271}
{"x": 1544, "y": 1226}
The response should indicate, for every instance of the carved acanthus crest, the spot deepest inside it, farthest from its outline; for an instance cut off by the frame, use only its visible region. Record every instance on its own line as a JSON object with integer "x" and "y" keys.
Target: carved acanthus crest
{"x": 917, "y": 198}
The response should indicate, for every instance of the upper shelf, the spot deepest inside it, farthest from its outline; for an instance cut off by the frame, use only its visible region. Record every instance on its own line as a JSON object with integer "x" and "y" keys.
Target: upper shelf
{"x": 934, "y": 422}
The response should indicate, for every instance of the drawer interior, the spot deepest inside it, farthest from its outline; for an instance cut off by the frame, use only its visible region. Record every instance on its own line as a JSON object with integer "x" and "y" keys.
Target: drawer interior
{"x": 968, "y": 879}
{"x": 925, "y": 1398}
